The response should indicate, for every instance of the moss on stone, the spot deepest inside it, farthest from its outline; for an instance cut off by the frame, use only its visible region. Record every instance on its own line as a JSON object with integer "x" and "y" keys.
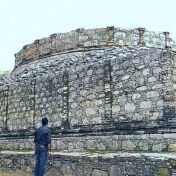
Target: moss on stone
{"x": 4, "y": 73}
{"x": 163, "y": 172}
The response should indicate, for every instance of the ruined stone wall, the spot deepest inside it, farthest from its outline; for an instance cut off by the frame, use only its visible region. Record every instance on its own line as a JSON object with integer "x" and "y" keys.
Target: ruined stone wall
{"x": 92, "y": 82}
{"x": 154, "y": 142}
{"x": 97, "y": 87}
{"x": 83, "y": 39}
{"x": 103, "y": 90}
{"x": 94, "y": 164}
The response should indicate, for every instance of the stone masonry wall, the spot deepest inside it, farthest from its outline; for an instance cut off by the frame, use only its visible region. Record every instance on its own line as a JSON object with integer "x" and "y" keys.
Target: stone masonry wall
{"x": 159, "y": 143}
{"x": 81, "y": 38}
{"x": 104, "y": 89}
{"x": 98, "y": 87}
{"x": 114, "y": 164}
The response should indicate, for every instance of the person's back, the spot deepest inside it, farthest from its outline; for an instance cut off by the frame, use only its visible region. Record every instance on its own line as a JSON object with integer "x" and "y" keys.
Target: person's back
{"x": 42, "y": 142}
{"x": 42, "y": 136}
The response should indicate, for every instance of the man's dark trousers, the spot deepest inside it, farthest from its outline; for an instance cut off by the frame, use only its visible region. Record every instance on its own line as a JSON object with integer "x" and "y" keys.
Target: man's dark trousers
{"x": 41, "y": 159}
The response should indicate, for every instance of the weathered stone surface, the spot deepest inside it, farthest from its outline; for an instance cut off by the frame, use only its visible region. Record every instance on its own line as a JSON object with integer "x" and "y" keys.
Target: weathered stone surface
{"x": 163, "y": 172}
{"x": 97, "y": 172}
{"x": 79, "y": 164}
{"x": 113, "y": 145}
{"x": 152, "y": 94}
{"x": 126, "y": 77}
{"x": 145, "y": 104}
{"x": 136, "y": 96}
{"x": 90, "y": 145}
{"x": 144, "y": 146}
{"x": 85, "y": 95}
{"x": 143, "y": 88}
{"x": 102, "y": 89}
{"x": 100, "y": 146}
{"x": 128, "y": 145}
{"x": 130, "y": 107}
{"x": 146, "y": 71}
{"x": 67, "y": 170}
{"x": 151, "y": 79}
{"x": 115, "y": 109}
{"x": 53, "y": 172}
{"x": 172, "y": 147}
{"x": 116, "y": 170}
{"x": 159, "y": 147}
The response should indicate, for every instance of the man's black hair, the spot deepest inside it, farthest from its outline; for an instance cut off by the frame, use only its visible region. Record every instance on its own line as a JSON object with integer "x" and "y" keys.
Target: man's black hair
{"x": 44, "y": 121}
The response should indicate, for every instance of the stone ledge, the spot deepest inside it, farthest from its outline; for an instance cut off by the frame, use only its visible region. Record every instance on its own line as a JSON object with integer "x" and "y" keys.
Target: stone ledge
{"x": 111, "y": 143}
{"x": 160, "y": 156}
{"x": 95, "y": 164}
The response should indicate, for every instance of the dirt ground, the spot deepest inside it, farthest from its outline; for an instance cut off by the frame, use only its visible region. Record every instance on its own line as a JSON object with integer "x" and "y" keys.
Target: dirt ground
{"x": 15, "y": 174}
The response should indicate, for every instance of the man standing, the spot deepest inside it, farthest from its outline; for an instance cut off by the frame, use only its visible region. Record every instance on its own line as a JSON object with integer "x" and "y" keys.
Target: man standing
{"x": 42, "y": 142}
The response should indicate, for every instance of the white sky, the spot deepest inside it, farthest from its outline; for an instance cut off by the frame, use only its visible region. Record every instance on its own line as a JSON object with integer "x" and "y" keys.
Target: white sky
{"x": 23, "y": 21}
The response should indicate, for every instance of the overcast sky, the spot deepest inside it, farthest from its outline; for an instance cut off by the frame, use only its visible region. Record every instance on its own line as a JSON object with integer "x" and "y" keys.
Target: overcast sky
{"x": 23, "y": 21}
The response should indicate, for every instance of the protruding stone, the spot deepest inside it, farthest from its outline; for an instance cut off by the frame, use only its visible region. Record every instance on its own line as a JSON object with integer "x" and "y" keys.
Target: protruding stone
{"x": 97, "y": 172}
{"x": 172, "y": 147}
{"x": 146, "y": 71}
{"x": 115, "y": 109}
{"x": 53, "y": 36}
{"x": 100, "y": 146}
{"x": 25, "y": 46}
{"x": 136, "y": 96}
{"x": 109, "y": 28}
{"x": 151, "y": 79}
{"x": 116, "y": 170}
{"x": 142, "y": 88}
{"x": 130, "y": 107}
{"x": 80, "y": 30}
{"x": 141, "y": 36}
{"x": 36, "y": 41}
{"x": 90, "y": 145}
{"x": 145, "y": 104}
{"x": 152, "y": 94}
{"x": 67, "y": 170}
{"x": 166, "y": 35}
{"x": 159, "y": 147}
{"x": 128, "y": 145}
{"x": 125, "y": 77}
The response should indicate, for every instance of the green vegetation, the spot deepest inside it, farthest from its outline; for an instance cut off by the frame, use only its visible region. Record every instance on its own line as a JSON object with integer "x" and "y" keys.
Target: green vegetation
{"x": 163, "y": 172}
{"x": 4, "y": 73}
